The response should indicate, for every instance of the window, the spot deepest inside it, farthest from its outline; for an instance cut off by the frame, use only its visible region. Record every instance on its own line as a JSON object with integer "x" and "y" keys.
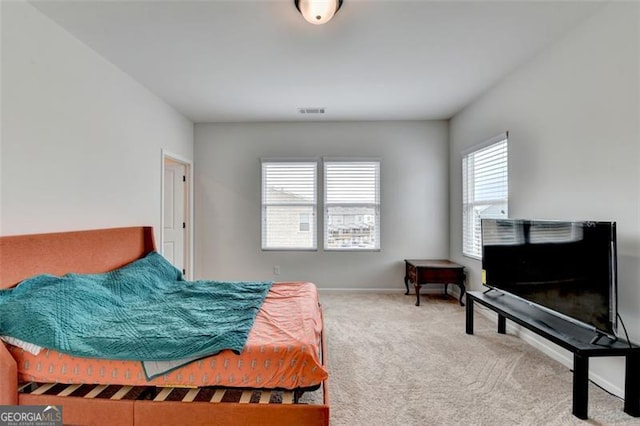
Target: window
{"x": 289, "y": 205}
{"x": 352, "y": 205}
{"x": 484, "y": 190}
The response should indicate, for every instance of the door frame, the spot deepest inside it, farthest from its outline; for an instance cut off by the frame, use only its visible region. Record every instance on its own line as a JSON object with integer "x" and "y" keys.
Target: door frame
{"x": 189, "y": 243}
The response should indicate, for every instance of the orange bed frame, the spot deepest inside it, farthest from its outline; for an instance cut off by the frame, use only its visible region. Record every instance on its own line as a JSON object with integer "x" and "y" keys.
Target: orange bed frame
{"x": 102, "y": 250}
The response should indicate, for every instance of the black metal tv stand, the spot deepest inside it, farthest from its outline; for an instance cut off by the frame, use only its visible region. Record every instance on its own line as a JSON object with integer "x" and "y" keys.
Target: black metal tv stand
{"x": 599, "y": 336}
{"x": 570, "y": 336}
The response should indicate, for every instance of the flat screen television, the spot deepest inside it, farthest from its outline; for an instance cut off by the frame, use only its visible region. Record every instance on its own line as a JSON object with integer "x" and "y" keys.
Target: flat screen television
{"x": 567, "y": 267}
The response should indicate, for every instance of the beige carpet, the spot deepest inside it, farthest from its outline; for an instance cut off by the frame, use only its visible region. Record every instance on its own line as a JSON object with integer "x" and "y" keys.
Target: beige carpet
{"x": 393, "y": 363}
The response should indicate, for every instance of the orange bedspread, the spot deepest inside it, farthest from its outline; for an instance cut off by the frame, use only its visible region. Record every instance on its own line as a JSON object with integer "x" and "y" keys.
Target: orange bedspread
{"x": 282, "y": 351}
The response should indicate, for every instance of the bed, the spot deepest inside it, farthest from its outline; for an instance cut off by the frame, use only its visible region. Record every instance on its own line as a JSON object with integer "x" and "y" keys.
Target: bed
{"x": 216, "y": 389}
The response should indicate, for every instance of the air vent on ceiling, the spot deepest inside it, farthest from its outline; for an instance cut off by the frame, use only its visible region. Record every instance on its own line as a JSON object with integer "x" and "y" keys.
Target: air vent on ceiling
{"x": 311, "y": 110}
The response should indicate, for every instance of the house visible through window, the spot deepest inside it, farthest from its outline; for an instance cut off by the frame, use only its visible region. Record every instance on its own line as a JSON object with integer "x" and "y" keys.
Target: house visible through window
{"x": 304, "y": 222}
{"x": 352, "y": 205}
{"x": 289, "y": 204}
{"x": 485, "y": 190}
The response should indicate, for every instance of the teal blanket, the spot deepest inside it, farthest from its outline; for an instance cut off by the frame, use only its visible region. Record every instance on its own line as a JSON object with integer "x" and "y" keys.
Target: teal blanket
{"x": 142, "y": 311}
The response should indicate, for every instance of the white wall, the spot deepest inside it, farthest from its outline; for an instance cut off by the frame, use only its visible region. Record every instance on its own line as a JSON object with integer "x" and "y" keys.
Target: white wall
{"x": 574, "y": 147}
{"x": 414, "y": 192}
{"x": 81, "y": 140}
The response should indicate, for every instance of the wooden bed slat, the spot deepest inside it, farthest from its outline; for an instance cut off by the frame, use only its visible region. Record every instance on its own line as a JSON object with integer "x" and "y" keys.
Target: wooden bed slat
{"x": 245, "y": 398}
{"x": 164, "y": 393}
{"x": 191, "y": 395}
{"x": 69, "y": 390}
{"x": 24, "y": 386}
{"x": 265, "y": 397}
{"x": 287, "y": 397}
{"x": 218, "y": 395}
{"x": 96, "y": 391}
{"x": 121, "y": 393}
{"x": 42, "y": 389}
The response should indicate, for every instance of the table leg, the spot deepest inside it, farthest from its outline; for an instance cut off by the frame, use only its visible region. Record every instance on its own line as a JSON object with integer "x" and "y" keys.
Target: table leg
{"x": 462, "y": 290}
{"x": 406, "y": 283}
{"x": 632, "y": 385}
{"x": 580, "y": 386}
{"x": 469, "y": 313}
{"x": 417, "y": 287}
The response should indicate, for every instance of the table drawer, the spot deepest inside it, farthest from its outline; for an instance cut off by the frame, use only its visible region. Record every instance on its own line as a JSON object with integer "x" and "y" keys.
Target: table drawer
{"x": 440, "y": 275}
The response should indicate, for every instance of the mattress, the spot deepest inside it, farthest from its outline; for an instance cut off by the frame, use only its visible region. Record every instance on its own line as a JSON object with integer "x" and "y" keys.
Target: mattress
{"x": 283, "y": 351}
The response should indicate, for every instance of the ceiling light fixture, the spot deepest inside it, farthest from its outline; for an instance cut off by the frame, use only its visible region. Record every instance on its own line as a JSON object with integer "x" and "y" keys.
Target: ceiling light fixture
{"x": 318, "y": 11}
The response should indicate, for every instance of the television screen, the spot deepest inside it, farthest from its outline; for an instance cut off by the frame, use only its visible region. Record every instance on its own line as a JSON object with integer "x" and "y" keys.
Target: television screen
{"x": 567, "y": 267}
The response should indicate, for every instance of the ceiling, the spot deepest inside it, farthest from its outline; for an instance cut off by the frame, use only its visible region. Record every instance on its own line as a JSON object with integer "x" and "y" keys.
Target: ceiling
{"x": 225, "y": 61}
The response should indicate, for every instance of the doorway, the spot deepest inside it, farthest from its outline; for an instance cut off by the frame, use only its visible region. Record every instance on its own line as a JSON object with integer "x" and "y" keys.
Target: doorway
{"x": 176, "y": 223}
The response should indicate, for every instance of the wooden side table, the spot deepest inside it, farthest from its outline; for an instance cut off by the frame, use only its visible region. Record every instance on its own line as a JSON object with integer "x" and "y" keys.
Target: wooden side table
{"x": 433, "y": 271}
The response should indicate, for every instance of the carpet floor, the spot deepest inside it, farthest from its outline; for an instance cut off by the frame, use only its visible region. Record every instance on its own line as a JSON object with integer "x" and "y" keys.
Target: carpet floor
{"x": 393, "y": 363}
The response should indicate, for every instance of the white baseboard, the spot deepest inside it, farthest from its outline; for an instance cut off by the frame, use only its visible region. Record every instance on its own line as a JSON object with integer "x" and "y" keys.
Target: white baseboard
{"x": 360, "y": 290}
{"x": 380, "y": 290}
{"x": 553, "y": 351}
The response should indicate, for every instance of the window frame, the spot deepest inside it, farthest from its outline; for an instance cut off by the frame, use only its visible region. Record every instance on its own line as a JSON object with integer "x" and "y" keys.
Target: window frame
{"x": 313, "y": 218}
{"x": 469, "y": 205}
{"x": 377, "y": 205}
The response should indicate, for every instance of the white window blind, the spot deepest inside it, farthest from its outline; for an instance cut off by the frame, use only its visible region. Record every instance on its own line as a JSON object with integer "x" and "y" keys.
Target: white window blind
{"x": 485, "y": 190}
{"x": 352, "y": 205}
{"x": 289, "y": 205}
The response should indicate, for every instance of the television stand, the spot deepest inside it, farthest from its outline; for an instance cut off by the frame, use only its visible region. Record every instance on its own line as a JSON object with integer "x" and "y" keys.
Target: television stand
{"x": 599, "y": 336}
{"x": 570, "y": 336}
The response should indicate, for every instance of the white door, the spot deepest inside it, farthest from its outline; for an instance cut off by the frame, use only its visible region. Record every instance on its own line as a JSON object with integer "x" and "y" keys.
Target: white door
{"x": 175, "y": 204}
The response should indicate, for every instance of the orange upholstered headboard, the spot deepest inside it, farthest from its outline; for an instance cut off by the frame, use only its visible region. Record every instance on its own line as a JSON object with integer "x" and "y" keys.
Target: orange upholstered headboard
{"x": 93, "y": 251}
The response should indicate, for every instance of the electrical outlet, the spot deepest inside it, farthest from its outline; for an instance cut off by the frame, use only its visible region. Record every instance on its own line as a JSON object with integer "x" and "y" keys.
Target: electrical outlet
{"x": 276, "y": 270}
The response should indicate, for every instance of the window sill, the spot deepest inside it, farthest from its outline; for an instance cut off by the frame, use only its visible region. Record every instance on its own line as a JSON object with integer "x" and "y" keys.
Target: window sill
{"x": 472, "y": 256}
{"x": 351, "y": 249}
{"x": 289, "y": 249}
